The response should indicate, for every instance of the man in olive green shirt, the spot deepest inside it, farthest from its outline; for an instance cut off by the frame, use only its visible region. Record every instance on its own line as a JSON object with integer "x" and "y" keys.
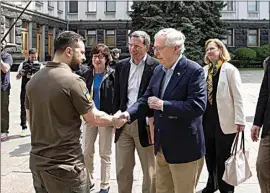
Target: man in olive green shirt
{"x": 55, "y": 100}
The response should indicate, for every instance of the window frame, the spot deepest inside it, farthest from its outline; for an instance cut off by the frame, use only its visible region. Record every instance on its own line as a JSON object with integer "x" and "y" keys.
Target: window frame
{"x": 88, "y": 5}
{"x": 105, "y": 37}
{"x": 91, "y": 35}
{"x": 257, "y": 36}
{"x": 256, "y": 6}
{"x": 106, "y": 7}
{"x": 69, "y": 6}
{"x": 25, "y": 38}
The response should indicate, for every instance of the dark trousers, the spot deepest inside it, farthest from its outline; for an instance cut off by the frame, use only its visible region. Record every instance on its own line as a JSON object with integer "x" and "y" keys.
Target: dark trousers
{"x": 263, "y": 164}
{"x": 5, "y": 111}
{"x": 23, "y": 111}
{"x": 218, "y": 147}
{"x": 60, "y": 181}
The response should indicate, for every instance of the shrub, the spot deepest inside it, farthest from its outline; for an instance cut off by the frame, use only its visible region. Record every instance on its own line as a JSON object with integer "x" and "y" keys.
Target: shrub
{"x": 245, "y": 54}
{"x": 246, "y": 64}
{"x": 263, "y": 51}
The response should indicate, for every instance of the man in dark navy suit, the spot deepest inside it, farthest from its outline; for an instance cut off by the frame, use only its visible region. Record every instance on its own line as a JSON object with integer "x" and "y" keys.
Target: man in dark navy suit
{"x": 177, "y": 96}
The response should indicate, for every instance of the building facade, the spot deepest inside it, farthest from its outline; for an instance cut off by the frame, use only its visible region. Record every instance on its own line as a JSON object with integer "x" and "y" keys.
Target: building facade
{"x": 105, "y": 22}
{"x": 36, "y": 28}
{"x": 109, "y": 22}
{"x": 248, "y": 23}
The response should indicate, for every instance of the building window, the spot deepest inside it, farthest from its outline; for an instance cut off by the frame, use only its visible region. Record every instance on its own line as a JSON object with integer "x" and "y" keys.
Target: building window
{"x": 25, "y": 38}
{"x": 91, "y": 6}
{"x": 50, "y": 43}
{"x": 59, "y": 5}
{"x": 253, "y": 38}
{"x": 91, "y": 37}
{"x": 10, "y": 38}
{"x": 252, "y": 6}
{"x": 230, "y": 6}
{"x": 73, "y": 6}
{"x": 130, "y": 3}
{"x": 39, "y": 41}
{"x": 110, "y": 38}
{"x": 229, "y": 41}
{"x": 110, "y": 6}
{"x": 51, "y": 3}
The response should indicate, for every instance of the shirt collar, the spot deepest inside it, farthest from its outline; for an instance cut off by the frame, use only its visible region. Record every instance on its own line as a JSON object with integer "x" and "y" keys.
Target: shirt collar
{"x": 174, "y": 65}
{"x": 143, "y": 60}
{"x": 57, "y": 64}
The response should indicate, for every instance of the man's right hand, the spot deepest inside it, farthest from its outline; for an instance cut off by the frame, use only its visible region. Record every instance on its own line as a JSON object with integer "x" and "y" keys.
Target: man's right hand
{"x": 124, "y": 115}
{"x": 255, "y": 131}
{"x": 120, "y": 118}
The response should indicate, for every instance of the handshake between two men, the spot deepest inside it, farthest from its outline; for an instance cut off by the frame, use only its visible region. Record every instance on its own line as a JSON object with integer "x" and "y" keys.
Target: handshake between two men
{"x": 102, "y": 119}
{"x": 120, "y": 118}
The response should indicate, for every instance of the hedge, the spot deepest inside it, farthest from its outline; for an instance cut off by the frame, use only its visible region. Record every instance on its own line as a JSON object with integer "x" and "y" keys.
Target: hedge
{"x": 247, "y": 63}
{"x": 263, "y": 51}
{"x": 244, "y": 54}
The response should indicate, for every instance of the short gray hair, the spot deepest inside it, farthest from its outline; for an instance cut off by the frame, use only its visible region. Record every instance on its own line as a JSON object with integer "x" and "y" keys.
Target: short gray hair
{"x": 143, "y": 35}
{"x": 173, "y": 38}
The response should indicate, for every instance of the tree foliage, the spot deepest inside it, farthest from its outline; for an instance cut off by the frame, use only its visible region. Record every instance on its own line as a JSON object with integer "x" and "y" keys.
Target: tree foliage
{"x": 198, "y": 20}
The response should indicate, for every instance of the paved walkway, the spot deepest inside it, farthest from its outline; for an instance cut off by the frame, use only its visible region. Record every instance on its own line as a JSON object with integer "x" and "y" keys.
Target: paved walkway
{"x": 16, "y": 177}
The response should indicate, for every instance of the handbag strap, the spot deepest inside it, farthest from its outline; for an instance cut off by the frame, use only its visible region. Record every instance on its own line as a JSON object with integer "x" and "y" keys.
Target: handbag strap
{"x": 234, "y": 145}
{"x": 243, "y": 142}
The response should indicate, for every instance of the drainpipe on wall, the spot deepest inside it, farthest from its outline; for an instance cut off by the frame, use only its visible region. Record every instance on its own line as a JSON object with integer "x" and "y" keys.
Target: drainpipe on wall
{"x": 66, "y": 11}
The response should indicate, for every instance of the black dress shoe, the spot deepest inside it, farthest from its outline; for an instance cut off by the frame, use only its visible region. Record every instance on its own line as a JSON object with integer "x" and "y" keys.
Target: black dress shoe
{"x": 208, "y": 190}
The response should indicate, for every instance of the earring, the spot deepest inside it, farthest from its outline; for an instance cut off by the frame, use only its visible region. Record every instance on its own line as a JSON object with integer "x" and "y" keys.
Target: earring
{"x": 221, "y": 56}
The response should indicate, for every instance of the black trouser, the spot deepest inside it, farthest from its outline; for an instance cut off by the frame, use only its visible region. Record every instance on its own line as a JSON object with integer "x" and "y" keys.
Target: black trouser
{"x": 5, "y": 111}
{"x": 60, "y": 181}
{"x": 23, "y": 111}
{"x": 218, "y": 147}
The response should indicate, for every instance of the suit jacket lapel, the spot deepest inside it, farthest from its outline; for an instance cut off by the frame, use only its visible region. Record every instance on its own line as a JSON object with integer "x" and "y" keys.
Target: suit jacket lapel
{"x": 159, "y": 82}
{"x": 146, "y": 74}
{"x": 178, "y": 73}
{"x": 125, "y": 71}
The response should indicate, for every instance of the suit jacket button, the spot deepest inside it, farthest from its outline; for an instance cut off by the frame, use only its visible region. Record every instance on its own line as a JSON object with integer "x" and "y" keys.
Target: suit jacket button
{"x": 160, "y": 115}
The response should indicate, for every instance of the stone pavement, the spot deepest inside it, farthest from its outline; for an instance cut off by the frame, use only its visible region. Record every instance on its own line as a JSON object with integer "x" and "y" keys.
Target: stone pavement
{"x": 16, "y": 177}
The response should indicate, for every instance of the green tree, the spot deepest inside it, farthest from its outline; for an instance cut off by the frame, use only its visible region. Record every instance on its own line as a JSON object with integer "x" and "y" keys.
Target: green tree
{"x": 198, "y": 20}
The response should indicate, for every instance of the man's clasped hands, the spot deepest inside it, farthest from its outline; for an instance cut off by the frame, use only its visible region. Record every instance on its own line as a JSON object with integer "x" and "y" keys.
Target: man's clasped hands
{"x": 120, "y": 118}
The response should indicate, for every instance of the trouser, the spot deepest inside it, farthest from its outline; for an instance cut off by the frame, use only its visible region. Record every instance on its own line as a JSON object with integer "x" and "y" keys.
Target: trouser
{"x": 263, "y": 164}
{"x": 105, "y": 150}
{"x": 217, "y": 152}
{"x": 5, "y": 111}
{"x": 23, "y": 111}
{"x": 60, "y": 181}
{"x": 177, "y": 178}
{"x": 125, "y": 160}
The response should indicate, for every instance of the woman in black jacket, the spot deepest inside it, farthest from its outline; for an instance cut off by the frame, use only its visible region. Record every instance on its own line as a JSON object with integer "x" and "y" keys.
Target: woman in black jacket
{"x": 99, "y": 78}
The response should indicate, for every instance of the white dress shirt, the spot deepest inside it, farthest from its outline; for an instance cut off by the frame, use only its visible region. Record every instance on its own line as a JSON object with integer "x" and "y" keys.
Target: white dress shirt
{"x": 134, "y": 80}
{"x": 167, "y": 77}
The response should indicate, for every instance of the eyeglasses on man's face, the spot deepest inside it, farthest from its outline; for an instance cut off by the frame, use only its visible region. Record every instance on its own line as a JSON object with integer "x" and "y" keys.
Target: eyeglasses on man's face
{"x": 159, "y": 49}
